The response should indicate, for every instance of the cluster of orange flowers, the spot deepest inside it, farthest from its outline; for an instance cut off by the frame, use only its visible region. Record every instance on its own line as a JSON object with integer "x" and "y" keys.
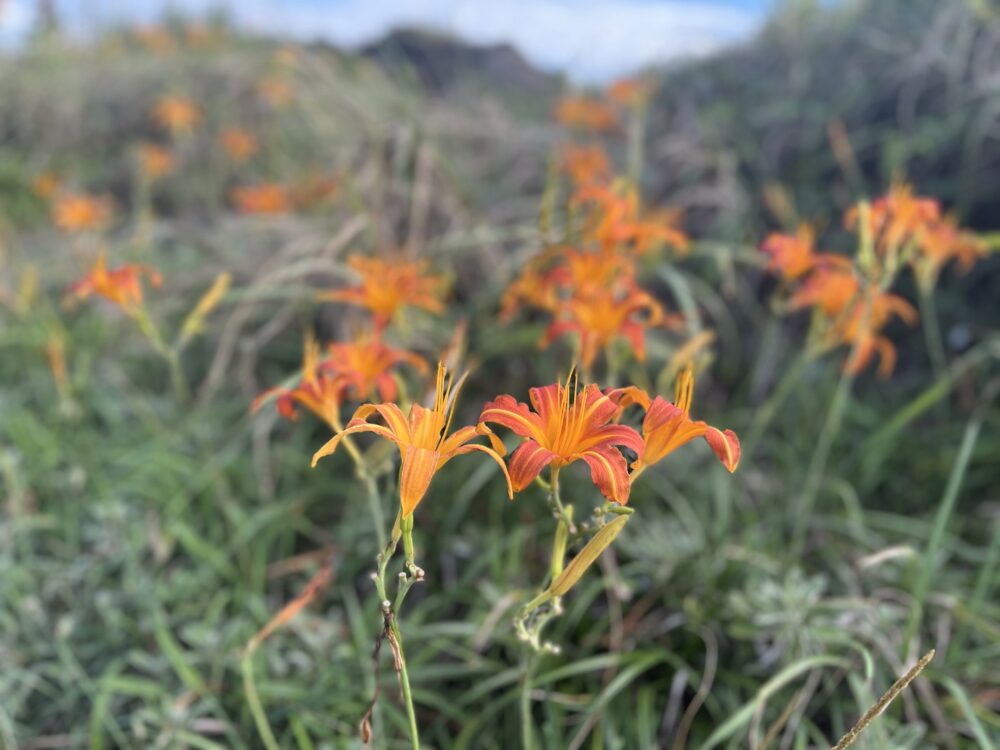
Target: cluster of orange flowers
{"x": 363, "y": 368}
{"x": 276, "y": 198}
{"x": 601, "y": 114}
{"x": 850, "y": 298}
{"x": 588, "y": 286}
{"x": 121, "y": 286}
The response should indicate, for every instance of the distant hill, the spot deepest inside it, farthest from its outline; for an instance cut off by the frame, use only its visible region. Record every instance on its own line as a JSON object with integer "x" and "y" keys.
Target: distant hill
{"x": 446, "y": 65}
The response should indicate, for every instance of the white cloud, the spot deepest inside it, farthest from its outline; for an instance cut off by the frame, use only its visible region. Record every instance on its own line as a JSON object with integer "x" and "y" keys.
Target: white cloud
{"x": 591, "y": 40}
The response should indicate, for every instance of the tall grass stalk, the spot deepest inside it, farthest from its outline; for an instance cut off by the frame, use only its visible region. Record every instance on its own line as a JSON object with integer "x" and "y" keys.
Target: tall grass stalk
{"x": 932, "y": 329}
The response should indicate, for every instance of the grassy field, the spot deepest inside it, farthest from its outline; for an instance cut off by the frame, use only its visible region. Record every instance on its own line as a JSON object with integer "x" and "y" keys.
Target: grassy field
{"x": 152, "y": 524}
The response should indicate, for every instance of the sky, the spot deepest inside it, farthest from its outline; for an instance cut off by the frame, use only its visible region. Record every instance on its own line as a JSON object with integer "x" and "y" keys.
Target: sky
{"x": 592, "y": 41}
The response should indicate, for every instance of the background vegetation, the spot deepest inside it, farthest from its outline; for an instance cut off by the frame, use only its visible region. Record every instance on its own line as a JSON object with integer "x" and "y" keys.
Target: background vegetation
{"x": 143, "y": 543}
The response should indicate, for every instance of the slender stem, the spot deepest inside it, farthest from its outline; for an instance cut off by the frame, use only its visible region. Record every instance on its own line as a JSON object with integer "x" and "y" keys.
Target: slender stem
{"x": 527, "y": 725}
{"x": 404, "y": 681}
{"x": 932, "y": 329}
{"x": 177, "y": 379}
{"x": 767, "y": 411}
{"x": 820, "y": 456}
{"x": 256, "y": 707}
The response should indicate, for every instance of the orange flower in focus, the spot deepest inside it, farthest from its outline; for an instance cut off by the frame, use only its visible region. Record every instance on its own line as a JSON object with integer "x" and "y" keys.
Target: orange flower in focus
{"x": 829, "y": 289}
{"x": 274, "y": 90}
{"x": 75, "y": 212}
{"x": 365, "y": 367}
{"x": 45, "y": 185}
{"x": 668, "y": 426}
{"x": 585, "y": 113}
{"x": 265, "y": 198}
{"x": 423, "y": 440}
{"x": 122, "y": 285}
{"x": 567, "y": 425}
{"x": 155, "y": 161}
{"x": 617, "y": 223}
{"x": 388, "y": 286}
{"x": 318, "y": 390}
{"x": 600, "y": 319}
{"x": 897, "y": 217}
{"x": 865, "y": 335}
{"x": 177, "y": 114}
{"x": 629, "y": 92}
{"x": 238, "y": 143}
{"x": 793, "y": 255}
{"x": 585, "y": 165}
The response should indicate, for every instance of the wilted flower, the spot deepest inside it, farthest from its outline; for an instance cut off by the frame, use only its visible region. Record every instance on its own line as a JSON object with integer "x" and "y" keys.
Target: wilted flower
{"x": 75, "y": 212}
{"x": 423, "y": 440}
{"x": 667, "y": 426}
{"x": 121, "y": 285}
{"x": 388, "y": 286}
{"x": 177, "y": 114}
{"x": 265, "y": 198}
{"x": 567, "y": 425}
{"x": 585, "y": 113}
{"x": 239, "y": 144}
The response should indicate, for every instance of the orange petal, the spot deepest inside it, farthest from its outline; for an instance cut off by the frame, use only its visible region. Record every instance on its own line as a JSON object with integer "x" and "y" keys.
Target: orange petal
{"x": 331, "y": 445}
{"x": 492, "y": 454}
{"x": 609, "y": 472}
{"x": 505, "y": 410}
{"x": 419, "y": 465}
{"x": 726, "y": 446}
{"x": 526, "y": 462}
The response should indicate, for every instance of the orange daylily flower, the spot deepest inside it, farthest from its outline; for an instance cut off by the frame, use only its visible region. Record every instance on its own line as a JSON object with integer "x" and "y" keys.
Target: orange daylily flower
{"x": 600, "y": 319}
{"x": 585, "y": 165}
{"x": 585, "y": 113}
{"x": 567, "y": 425}
{"x": 584, "y": 274}
{"x": 897, "y": 217}
{"x": 829, "y": 289}
{"x": 423, "y": 440}
{"x": 238, "y": 143}
{"x": 939, "y": 244}
{"x": 865, "y": 335}
{"x": 155, "y": 161}
{"x": 388, "y": 286}
{"x": 667, "y": 426}
{"x": 177, "y": 114}
{"x": 121, "y": 285}
{"x": 75, "y": 212}
{"x": 794, "y": 255}
{"x": 319, "y": 390}
{"x": 45, "y": 185}
{"x": 154, "y": 38}
{"x": 265, "y": 198}
{"x": 629, "y": 92}
{"x": 274, "y": 90}
{"x": 365, "y": 367}
{"x": 617, "y": 221}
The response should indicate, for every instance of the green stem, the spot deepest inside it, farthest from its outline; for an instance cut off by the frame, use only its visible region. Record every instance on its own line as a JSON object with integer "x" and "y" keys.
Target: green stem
{"x": 527, "y": 726}
{"x": 767, "y": 411}
{"x": 177, "y": 379}
{"x": 932, "y": 329}
{"x": 256, "y": 707}
{"x": 820, "y": 456}
{"x": 404, "y": 681}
